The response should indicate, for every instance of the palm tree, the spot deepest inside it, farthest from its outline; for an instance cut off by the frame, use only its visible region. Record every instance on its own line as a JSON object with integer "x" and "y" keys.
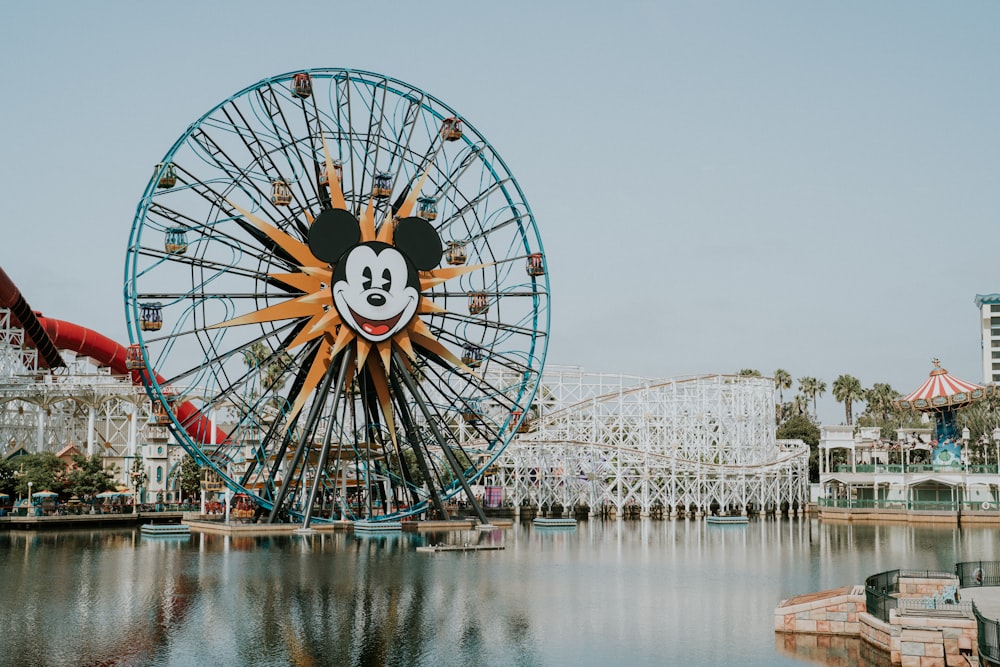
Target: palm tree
{"x": 812, "y": 387}
{"x": 879, "y": 399}
{"x": 782, "y": 380}
{"x": 847, "y": 389}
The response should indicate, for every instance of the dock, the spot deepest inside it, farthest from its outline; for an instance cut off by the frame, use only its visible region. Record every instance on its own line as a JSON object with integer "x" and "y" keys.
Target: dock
{"x": 541, "y": 522}
{"x": 165, "y": 530}
{"x": 727, "y": 520}
{"x": 435, "y": 548}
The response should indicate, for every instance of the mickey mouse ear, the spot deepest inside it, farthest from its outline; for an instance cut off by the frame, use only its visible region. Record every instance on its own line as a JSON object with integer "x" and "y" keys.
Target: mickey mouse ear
{"x": 332, "y": 233}
{"x": 418, "y": 239}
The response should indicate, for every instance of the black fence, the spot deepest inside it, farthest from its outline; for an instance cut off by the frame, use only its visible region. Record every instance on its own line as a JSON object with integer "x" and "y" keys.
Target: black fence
{"x": 983, "y": 573}
{"x": 879, "y": 594}
{"x": 978, "y": 573}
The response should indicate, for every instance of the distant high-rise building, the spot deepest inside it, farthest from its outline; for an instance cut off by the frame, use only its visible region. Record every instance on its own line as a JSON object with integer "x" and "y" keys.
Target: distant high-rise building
{"x": 989, "y": 321}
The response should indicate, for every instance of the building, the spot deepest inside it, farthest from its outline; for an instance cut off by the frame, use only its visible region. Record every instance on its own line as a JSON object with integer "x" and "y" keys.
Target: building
{"x": 989, "y": 322}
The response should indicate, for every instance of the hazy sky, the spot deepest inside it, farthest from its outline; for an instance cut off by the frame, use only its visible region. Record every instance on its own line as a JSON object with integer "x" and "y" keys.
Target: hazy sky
{"x": 718, "y": 185}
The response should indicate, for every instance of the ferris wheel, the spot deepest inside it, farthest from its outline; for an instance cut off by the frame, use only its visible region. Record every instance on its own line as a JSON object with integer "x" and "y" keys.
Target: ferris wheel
{"x": 337, "y": 298}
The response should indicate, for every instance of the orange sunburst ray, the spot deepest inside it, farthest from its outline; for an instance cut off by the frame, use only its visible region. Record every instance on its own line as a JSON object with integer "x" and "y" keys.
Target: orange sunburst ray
{"x": 364, "y": 347}
{"x": 402, "y": 341}
{"x": 300, "y": 281}
{"x": 297, "y": 249}
{"x": 319, "y": 367}
{"x": 368, "y": 222}
{"x": 344, "y": 337}
{"x": 427, "y": 306}
{"x": 422, "y": 336}
{"x": 378, "y": 376}
{"x": 327, "y": 322}
{"x": 309, "y": 332}
{"x": 283, "y": 311}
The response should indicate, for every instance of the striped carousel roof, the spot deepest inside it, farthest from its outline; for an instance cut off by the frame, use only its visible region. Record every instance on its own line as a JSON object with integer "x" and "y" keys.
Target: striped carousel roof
{"x": 942, "y": 391}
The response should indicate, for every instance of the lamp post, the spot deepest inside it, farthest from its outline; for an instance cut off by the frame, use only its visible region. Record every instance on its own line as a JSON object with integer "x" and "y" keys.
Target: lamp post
{"x": 30, "y": 501}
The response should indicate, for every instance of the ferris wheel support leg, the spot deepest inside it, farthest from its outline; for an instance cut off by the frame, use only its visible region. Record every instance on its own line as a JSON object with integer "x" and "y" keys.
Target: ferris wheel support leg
{"x": 325, "y": 452}
{"x": 411, "y": 433}
{"x": 445, "y": 447}
{"x": 307, "y": 428}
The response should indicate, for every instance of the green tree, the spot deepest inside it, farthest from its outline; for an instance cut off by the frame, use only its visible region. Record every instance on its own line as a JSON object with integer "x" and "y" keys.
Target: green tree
{"x": 800, "y": 427}
{"x": 847, "y": 389}
{"x": 813, "y": 388}
{"x": 8, "y": 477}
{"x": 88, "y": 476}
{"x": 45, "y": 471}
{"x": 138, "y": 475}
{"x": 750, "y": 372}
{"x": 189, "y": 478}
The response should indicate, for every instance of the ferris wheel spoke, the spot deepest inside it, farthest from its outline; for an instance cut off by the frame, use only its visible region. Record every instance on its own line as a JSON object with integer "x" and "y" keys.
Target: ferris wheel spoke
{"x": 432, "y": 421}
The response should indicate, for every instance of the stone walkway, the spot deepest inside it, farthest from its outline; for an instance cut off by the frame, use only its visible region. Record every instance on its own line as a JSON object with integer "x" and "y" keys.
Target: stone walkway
{"x": 987, "y": 600}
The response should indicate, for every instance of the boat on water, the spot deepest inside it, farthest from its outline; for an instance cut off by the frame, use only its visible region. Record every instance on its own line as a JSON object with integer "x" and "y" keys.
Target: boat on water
{"x": 726, "y": 520}
{"x": 542, "y": 522}
{"x": 378, "y": 526}
{"x": 165, "y": 530}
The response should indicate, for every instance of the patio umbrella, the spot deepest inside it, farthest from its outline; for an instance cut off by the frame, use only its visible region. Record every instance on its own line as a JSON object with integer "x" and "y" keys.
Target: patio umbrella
{"x": 108, "y": 494}
{"x": 44, "y": 494}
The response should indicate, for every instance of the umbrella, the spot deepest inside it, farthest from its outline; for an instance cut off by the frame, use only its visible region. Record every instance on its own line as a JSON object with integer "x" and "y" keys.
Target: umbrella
{"x": 110, "y": 494}
{"x": 44, "y": 494}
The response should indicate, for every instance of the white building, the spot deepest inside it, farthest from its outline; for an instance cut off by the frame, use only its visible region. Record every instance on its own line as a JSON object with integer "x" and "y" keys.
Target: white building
{"x": 989, "y": 322}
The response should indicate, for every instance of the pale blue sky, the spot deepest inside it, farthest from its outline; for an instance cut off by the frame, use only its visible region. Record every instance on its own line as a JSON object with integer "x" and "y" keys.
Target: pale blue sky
{"x": 719, "y": 185}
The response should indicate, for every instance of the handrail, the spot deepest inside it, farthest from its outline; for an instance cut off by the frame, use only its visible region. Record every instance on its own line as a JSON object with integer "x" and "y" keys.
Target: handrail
{"x": 879, "y": 590}
{"x": 978, "y": 573}
{"x": 915, "y": 505}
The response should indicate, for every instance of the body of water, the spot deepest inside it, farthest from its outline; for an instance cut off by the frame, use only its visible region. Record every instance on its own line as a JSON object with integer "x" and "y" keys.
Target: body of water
{"x": 605, "y": 593}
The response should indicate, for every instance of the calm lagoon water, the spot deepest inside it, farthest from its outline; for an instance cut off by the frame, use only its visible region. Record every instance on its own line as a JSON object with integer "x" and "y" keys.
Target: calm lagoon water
{"x": 606, "y": 593}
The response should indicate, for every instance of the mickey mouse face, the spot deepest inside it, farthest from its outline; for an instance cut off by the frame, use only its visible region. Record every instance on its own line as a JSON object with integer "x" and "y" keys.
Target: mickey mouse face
{"x": 376, "y": 287}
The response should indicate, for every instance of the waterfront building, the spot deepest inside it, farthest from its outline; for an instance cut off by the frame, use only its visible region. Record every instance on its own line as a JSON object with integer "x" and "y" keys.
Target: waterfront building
{"x": 917, "y": 474}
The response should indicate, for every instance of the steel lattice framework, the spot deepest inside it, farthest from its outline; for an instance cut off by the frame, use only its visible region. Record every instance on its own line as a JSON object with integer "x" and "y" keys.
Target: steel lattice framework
{"x": 43, "y": 410}
{"x": 614, "y": 441}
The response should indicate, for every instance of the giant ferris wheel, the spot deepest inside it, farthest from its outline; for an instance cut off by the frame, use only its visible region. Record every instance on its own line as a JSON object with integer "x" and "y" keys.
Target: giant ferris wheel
{"x": 337, "y": 297}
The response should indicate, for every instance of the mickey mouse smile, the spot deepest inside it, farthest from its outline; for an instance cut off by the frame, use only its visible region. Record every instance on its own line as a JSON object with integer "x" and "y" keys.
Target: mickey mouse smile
{"x": 374, "y": 327}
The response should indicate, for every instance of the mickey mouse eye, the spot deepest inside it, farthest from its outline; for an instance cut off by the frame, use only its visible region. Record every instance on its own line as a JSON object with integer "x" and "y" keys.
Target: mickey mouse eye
{"x": 366, "y": 284}
{"x": 386, "y": 280}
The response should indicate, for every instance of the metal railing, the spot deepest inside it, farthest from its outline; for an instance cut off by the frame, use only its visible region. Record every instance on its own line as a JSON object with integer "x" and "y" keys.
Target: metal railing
{"x": 976, "y": 573}
{"x": 880, "y": 590}
{"x": 914, "y": 467}
{"x": 916, "y": 505}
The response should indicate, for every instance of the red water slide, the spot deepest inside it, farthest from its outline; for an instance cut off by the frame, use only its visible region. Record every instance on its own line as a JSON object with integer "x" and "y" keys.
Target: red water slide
{"x": 48, "y": 336}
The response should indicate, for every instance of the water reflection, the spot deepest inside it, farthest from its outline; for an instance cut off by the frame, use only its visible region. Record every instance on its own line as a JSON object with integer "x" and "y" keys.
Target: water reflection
{"x": 633, "y": 592}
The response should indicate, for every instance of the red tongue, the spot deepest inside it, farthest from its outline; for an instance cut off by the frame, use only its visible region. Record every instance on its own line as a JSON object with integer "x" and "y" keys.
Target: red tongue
{"x": 373, "y": 329}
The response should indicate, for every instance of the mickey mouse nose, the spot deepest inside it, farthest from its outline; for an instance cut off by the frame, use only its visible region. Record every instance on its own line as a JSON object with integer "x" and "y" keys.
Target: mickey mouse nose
{"x": 376, "y": 300}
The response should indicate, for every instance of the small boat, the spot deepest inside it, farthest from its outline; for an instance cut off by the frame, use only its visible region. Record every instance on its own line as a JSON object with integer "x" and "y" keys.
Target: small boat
{"x": 727, "y": 520}
{"x": 434, "y": 548}
{"x": 165, "y": 530}
{"x": 554, "y": 523}
{"x": 378, "y": 526}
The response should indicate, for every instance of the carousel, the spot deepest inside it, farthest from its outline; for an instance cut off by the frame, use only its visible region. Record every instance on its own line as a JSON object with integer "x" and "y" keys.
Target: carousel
{"x": 923, "y": 471}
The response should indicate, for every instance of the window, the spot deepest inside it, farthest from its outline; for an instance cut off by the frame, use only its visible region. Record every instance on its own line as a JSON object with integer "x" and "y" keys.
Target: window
{"x": 159, "y": 473}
